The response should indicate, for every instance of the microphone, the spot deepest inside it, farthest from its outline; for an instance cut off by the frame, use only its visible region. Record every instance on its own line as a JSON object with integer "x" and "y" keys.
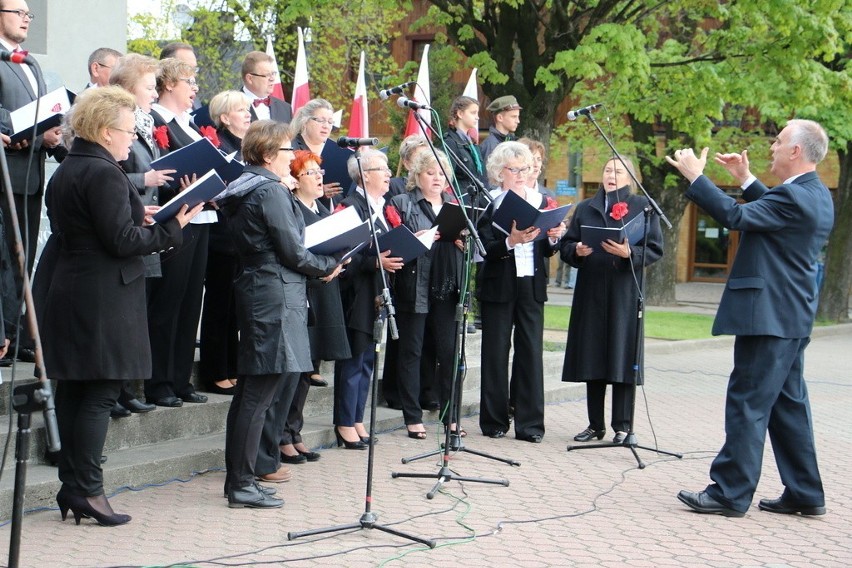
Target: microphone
{"x": 585, "y": 111}
{"x": 13, "y": 57}
{"x": 347, "y": 142}
{"x": 403, "y": 102}
{"x": 384, "y": 94}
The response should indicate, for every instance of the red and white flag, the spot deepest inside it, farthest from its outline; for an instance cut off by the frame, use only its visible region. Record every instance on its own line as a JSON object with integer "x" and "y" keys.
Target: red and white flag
{"x": 301, "y": 88}
{"x": 472, "y": 90}
{"x": 359, "y": 124}
{"x": 277, "y": 91}
{"x": 423, "y": 95}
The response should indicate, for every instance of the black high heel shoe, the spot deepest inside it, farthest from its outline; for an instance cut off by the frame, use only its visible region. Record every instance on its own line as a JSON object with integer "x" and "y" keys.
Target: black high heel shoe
{"x": 97, "y": 508}
{"x": 366, "y": 440}
{"x": 65, "y": 500}
{"x": 341, "y": 441}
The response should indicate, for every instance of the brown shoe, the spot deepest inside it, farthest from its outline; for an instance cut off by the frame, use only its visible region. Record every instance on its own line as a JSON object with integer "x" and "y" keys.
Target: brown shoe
{"x": 283, "y": 474}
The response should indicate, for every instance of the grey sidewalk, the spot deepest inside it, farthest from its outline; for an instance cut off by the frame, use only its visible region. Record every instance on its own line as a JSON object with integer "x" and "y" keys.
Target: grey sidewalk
{"x": 579, "y": 508}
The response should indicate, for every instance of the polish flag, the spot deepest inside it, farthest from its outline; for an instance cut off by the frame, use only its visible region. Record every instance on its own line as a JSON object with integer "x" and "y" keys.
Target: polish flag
{"x": 422, "y": 94}
{"x": 301, "y": 88}
{"x": 359, "y": 124}
{"x": 277, "y": 91}
{"x": 472, "y": 90}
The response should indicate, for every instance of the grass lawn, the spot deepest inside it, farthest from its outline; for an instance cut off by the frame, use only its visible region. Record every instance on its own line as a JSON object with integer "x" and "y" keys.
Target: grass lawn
{"x": 659, "y": 325}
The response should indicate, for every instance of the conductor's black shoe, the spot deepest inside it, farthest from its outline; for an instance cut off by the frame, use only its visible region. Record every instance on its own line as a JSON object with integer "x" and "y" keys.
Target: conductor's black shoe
{"x": 118, "y": 411}
{"x": 534, "y": 438}
{"x": 136, "y": 405}
{"x": 495, "y": 434}
{"x": 619, "y": 438}
{"x": 589, "y": 434}
{"x": 702, "y": 503}
{"x": 26, "y": 355}
{"x": 788, "y": 508}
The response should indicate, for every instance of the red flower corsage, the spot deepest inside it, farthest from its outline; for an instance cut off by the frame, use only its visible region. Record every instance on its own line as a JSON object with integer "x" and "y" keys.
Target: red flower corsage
{"x": 161, "y": 136}
{"x": 210, "y": 133}
{"x": 619, "y": 210}
{"x": 340, "y": 207}
{"x": 549, "y": 203}
{"x": 392, "y": 215}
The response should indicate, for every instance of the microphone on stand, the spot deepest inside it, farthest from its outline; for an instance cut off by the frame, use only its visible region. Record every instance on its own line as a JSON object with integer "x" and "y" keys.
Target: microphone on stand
{"x": 347, "y": 142}
{"x": 403, "y": 102}
{"x": 585, "y": 111}
{"x": 384, "y": 94}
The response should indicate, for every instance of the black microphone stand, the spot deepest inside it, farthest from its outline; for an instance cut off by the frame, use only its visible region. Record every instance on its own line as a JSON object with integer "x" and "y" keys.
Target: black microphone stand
{"x": 32, "y": 397}
{"x": 630, "y": 440}
{"x": 368, "y": 519}
{"x": 452, "y": 439}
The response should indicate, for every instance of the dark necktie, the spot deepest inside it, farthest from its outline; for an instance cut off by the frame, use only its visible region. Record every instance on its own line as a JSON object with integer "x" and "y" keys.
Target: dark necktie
{"x": 258, "y": 102}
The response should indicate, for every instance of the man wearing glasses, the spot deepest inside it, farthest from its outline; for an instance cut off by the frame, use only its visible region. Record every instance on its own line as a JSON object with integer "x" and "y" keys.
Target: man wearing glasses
{"x": 20, "y": 85}
{"x": 101, "y": 62}
{"x": 258, "y": 80}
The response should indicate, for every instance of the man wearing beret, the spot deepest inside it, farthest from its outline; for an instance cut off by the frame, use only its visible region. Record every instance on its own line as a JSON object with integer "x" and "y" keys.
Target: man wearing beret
{"x": 507, "y": 115}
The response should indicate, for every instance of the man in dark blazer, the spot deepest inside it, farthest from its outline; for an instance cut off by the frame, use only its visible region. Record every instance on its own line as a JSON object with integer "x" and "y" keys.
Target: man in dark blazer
{"x": 20, "y": 85}
{"x": 769, "y": 303}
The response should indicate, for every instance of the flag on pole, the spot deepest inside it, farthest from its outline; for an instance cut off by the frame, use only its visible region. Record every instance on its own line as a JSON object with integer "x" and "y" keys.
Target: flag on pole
{"x": 277, "y": 90}
{"x": 301, "y": 88}
{"x": 359, "y": 124}
{"x": 423, "y": 95}
{"x": 472, "y": 90}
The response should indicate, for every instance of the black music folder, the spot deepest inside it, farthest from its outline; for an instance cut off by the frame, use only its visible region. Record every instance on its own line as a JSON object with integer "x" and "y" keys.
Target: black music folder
{"x": 513, "y": 207}
{"x": 204, "y": 189}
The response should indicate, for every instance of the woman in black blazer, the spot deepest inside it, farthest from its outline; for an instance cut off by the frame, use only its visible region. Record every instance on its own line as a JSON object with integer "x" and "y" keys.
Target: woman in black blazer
{"x": 512, "y": 289}
{"x": 94, "y": 316}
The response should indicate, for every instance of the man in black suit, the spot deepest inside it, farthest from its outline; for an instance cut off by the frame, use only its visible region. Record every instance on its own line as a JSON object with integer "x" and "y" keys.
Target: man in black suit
{"x": 101, "y": 63}
{"x": 20, "y": 85}
{"x": 769, "y": 303}
{"x": 259, "y": 78}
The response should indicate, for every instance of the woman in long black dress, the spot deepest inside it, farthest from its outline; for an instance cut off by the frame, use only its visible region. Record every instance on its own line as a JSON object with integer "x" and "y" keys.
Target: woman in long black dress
{"x": 326, "y": 326}
{"x": 602, "y": 340}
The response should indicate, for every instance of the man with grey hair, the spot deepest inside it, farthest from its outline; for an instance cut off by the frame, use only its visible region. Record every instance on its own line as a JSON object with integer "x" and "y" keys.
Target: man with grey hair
{"x": 101, "y": 62}
{"x": 769, "y": 304}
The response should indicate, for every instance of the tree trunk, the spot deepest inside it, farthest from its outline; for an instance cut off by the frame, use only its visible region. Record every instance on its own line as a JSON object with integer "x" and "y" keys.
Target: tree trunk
{"x": 834, "y": 295}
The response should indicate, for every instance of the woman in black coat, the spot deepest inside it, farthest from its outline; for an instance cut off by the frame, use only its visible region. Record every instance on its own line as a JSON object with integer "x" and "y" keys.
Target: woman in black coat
{"x": 326, "y": 326}
{"x": 217, "y": 367}
{"x": 512, "y": 289}
{"x": 602, "y": 340}
{"x": 95, "y": 329}
{"x": 426, "y": 291}
{"x": 272, "y": 311}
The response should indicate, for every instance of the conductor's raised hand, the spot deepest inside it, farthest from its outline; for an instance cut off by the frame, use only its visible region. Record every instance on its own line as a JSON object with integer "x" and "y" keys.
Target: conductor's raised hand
{"x": 390, "y": 263}
{"x": 186, "y": 214}
{"x": 688, "y": 164}
{"x": 736, "y": 164}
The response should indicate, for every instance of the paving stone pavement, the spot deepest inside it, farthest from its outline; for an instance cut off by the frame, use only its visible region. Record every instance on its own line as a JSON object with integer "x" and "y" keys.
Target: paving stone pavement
{"x": 576, "y": 509}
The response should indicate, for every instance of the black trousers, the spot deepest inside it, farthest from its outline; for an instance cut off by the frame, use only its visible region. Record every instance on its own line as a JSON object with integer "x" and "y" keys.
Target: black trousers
{"x": 268, "y": 453}
{"x": 244, "y": 426}
{"x": 292, "y": 432}
{"x": 29, "y": 233}
{"x": 521, "y": 319}
{"x": 82, "y": 414}
{"x": 174, "y": 306}
{"x": 219, "y": 333}
{"x": 621, "y": 400}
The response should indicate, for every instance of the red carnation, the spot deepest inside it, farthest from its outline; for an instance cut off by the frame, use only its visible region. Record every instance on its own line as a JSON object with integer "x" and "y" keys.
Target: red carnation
{"x": 619, "y": 210}
{"x": 210, "y": 133}
{"x": 340, "y": 207}
{"x": 161, "y": 136}
{"x": 392, "y": 215}
{"x": 549, "y": 203}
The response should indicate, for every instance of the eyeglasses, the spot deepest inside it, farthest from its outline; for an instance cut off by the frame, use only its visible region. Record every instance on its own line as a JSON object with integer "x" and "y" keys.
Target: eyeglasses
{"x": 517, "y": 171}
{"x": 190, "y": 81}
{"x": 21, "y": 14}
{"x": 286, "y": 149}
{"x": 312, "y": 173}
{"x": 131, "y": 132}
{"x": 328, "y": 121}
{"x": 267, "y": 76}
{"x": 384, "y": 170}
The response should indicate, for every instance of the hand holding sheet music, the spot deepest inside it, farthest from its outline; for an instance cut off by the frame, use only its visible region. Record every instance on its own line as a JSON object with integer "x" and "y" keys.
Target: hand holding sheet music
{"x": 595, "y": 237}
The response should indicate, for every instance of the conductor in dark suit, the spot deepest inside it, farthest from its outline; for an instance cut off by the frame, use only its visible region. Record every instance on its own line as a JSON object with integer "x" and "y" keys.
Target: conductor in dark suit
{"x": 769, "y": 303}
{"x": 20, "y": 85}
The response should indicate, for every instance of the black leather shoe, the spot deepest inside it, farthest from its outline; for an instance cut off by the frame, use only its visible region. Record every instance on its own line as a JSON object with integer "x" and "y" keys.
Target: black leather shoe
{"x": 702, "y": 503}
{"x": 317, "y": 382}
{"x": 169, "y": 401}
{"x": 619, "y": 438}
{"x": 534, "y": 438}
{"x": 118, "y": 411}
{"x": 297, "y": 459}
{"x": 496, "y": 434}
{"x": 214, "y": 388}
{"x": 787, "y": 508}
{"x": 589, "y": 434}
{"x": 6, "y": 362}
{"x": 136, "y": 405}
{"x": 310, "y": 456}
{"x": 194, "y": 397}
{"x": 253, "y": 498}
{"x": 262, "y": 488}
{"x": 26, "y": 355}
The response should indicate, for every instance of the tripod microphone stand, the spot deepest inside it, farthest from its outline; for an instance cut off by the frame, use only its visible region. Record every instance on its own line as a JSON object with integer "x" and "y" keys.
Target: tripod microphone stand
{"x": 368, "y": 519}
{"x": 630, "y": 441}
{"x": 452, "y": 439}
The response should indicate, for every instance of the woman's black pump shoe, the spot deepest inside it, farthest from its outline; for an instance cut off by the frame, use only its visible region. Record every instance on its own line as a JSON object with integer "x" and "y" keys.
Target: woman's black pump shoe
{"x": 359, "y": 445}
